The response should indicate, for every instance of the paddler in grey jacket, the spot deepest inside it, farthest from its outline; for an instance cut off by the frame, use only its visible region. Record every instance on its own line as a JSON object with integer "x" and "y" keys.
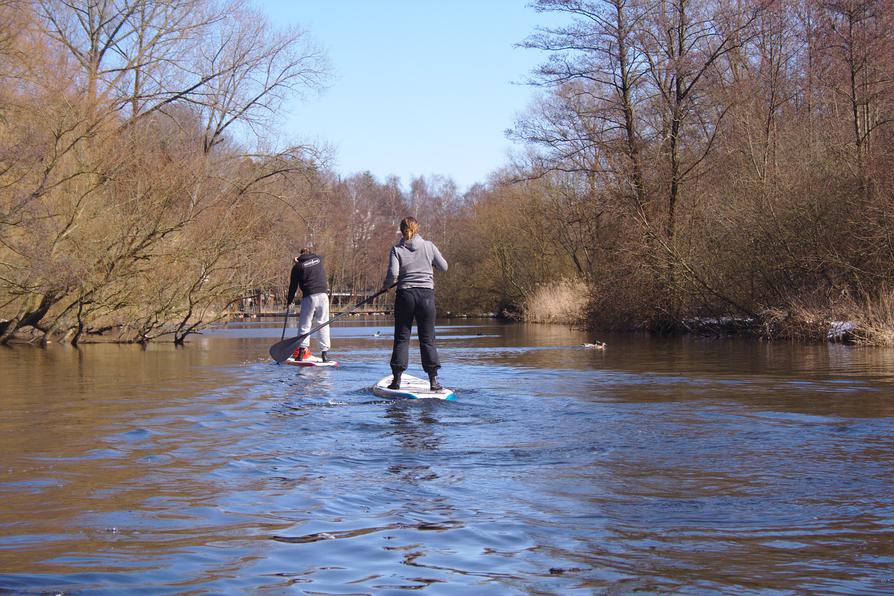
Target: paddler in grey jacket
{"x": 410, "y": 264}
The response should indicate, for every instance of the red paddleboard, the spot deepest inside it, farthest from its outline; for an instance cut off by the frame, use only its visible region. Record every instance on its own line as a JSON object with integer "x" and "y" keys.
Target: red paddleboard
{"x": 312, "y": 361}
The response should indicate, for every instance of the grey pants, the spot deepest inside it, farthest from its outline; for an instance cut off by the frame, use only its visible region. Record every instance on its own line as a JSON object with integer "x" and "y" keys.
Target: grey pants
{"x": 314, "y": 310}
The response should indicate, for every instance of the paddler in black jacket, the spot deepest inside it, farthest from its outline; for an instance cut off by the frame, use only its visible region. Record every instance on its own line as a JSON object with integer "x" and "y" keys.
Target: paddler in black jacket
{"x": 309, "y": 275}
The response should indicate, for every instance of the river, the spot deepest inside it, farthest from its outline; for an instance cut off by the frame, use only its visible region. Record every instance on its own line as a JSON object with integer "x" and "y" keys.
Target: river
{"x": 679, "y": 465}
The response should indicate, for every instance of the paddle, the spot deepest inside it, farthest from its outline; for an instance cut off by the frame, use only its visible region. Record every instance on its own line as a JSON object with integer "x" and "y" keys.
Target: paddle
{"x": 281, "y": 350}
{"x": 283, "y": 336}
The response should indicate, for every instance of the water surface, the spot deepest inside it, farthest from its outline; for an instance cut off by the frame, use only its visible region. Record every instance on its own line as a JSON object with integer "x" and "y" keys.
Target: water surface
{"x": 679, "y": 465}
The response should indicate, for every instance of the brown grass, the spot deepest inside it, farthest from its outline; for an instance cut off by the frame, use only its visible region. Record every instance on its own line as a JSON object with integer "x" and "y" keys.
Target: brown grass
{"x": 798, "y": 322}
{"x": 562, "y": 302}
{"x": 870, "y": 321}
{"x": 874, "y": 321}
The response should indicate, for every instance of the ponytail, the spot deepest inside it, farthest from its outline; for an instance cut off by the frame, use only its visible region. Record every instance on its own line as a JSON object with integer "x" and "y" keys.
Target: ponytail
{"x": 409, "y": 227}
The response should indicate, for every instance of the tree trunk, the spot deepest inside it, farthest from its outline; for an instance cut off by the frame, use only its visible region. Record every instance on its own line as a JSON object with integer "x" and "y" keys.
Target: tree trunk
{"x": 32, "y": 312}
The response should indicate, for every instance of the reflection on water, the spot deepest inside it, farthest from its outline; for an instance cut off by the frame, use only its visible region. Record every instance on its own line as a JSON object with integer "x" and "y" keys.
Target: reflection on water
{"x": 658, "y": 465}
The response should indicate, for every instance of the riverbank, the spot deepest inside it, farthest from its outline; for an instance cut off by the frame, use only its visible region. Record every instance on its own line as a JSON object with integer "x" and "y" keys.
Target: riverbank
{"x": 865, "y": 323}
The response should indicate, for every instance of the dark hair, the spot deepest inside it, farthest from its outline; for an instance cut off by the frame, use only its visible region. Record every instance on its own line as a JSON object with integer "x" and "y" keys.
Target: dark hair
{"x": 304, "y": 250}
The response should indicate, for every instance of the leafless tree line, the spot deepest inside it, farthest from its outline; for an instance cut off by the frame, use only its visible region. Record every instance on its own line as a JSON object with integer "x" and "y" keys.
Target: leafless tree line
{"x": 685, "y": 159}
{"x": 711, "y": 157}
{"x": 125, "y": 202}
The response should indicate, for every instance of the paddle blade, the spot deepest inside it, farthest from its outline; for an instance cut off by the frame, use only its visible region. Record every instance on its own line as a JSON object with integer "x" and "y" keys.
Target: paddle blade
{"x": 281, "y": 350}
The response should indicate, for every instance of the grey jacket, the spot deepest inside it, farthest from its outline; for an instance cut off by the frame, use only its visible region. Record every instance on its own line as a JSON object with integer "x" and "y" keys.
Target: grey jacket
{"x": 410, "y": 263}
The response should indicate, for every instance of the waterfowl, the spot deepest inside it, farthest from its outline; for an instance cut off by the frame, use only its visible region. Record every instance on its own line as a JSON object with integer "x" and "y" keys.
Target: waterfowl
{"x": 599, "y": 345}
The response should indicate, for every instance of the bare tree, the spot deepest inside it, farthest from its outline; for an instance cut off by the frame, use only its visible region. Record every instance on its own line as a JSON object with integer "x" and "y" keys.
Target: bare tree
{"x": 857, "y": 42}
{"x": 100, "y": 194}
{"x": 597, "y": 71}
{"x": 257, "y": 76}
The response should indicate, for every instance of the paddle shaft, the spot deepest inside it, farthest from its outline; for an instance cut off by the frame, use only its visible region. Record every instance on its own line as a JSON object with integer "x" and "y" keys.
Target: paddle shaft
{"x": 284, "y": 323}
{"x": 280, "y": 351}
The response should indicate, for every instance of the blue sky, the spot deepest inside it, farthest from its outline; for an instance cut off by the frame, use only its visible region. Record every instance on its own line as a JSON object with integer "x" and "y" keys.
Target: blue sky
{"x": 420, "y": 87}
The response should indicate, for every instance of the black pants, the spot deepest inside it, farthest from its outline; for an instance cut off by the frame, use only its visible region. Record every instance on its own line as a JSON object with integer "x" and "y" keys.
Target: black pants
{"x": 418, "y": 304}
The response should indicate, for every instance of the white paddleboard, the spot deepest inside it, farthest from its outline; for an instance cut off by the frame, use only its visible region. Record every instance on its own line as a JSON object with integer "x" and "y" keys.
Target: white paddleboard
{"x": 411, "y": 387}
{"x": 312, "y": 361}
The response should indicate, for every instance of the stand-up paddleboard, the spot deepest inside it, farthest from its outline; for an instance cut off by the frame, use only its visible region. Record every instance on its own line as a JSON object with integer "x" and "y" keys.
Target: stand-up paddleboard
{"x": 411, "y": 387}
{"x": 312, "y": 361}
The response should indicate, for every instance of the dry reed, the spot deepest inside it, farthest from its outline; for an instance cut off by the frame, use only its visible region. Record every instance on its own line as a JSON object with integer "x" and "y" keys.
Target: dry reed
{"x": 874, "y": 321}
{"x": 564, "y": 301}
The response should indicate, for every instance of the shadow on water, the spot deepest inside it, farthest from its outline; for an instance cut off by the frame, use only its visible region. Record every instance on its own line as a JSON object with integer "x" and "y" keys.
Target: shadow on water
{"x": 657, "y": 465}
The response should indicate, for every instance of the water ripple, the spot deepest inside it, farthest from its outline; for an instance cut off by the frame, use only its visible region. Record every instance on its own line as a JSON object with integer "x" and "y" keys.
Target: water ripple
{"x": 656, "y": 466}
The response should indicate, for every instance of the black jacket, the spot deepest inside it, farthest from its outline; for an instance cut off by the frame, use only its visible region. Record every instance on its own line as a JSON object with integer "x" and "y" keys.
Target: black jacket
{"x": 309, "y": 275}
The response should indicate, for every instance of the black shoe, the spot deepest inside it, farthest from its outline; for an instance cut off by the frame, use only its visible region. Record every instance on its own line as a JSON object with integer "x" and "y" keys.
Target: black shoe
{"x": 433, "y": 382}
{"x": 395, "y": 382}
{"x": 324, "y": 356}
{"x": 302, "y": 352}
